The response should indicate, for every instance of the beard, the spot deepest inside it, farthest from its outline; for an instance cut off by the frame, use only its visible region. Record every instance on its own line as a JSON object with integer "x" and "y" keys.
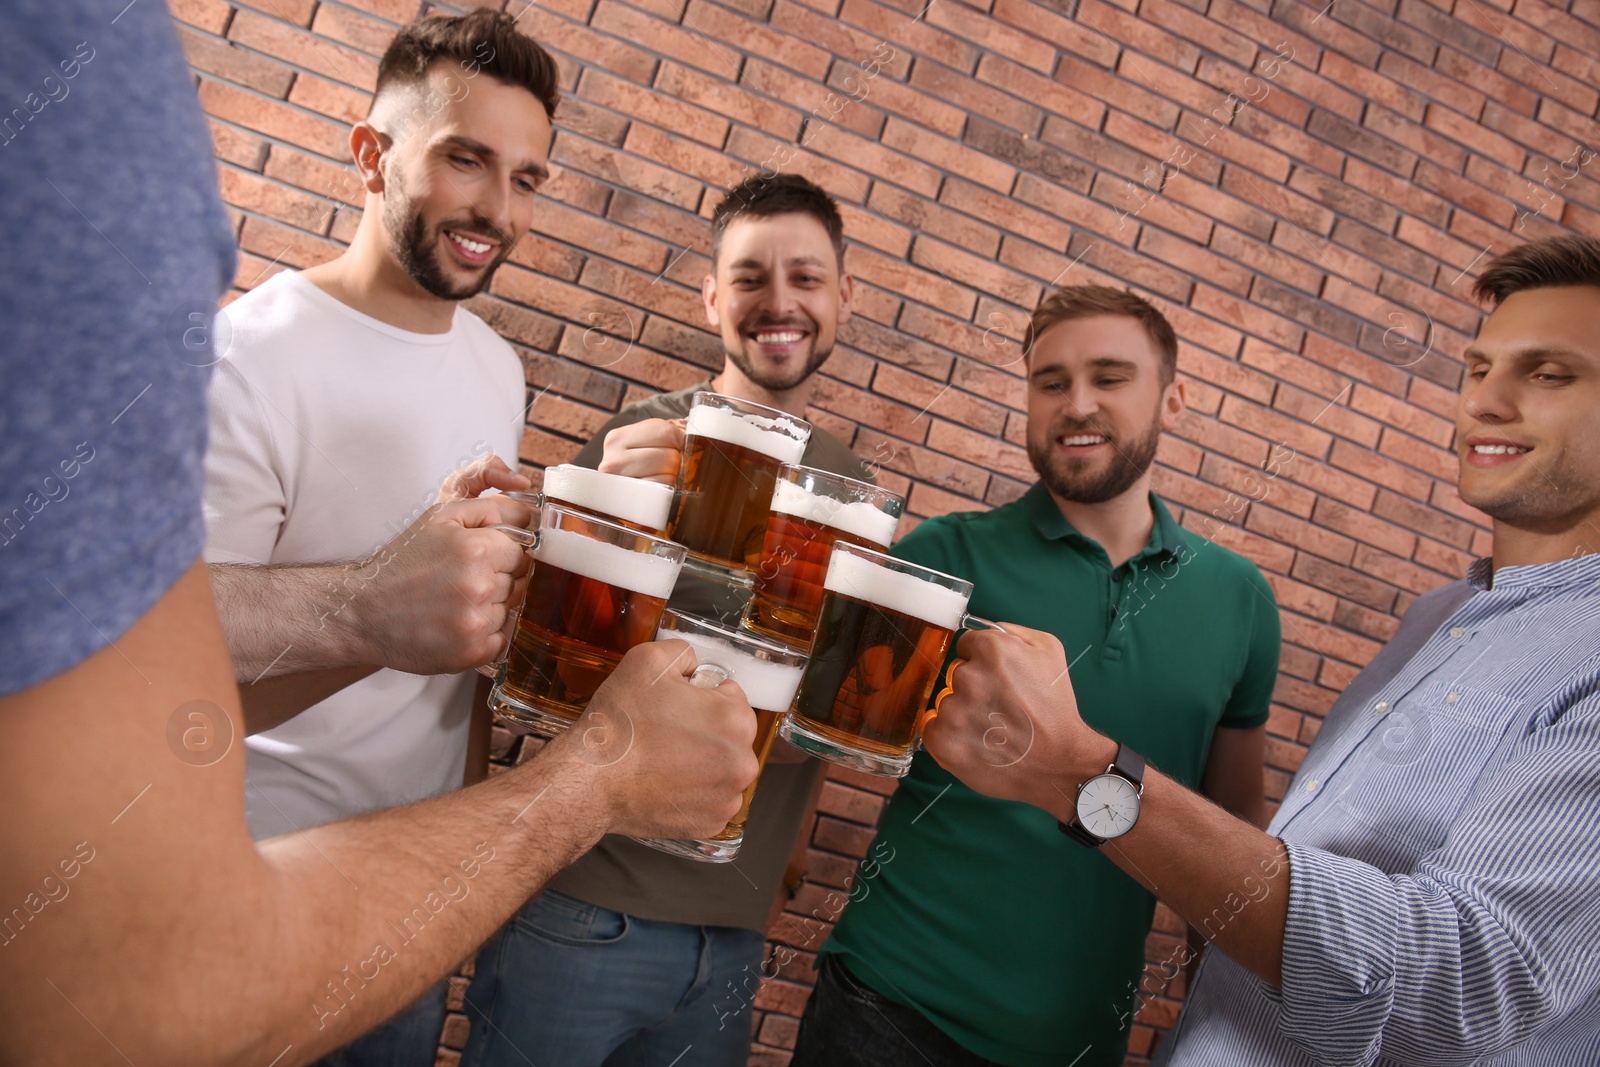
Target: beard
{"x": 780, "y": 381}
{"x": 416, "y": 247}
{"x": 1075, "y": 480}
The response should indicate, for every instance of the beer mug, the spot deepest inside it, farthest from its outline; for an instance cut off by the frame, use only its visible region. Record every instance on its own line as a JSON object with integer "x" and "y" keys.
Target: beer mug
{"x": 638, "y": 503}
{"x": 768, "y": 673}
{"x": 597, "y": 589}
{"x": 731, "y": 454}
{"x": 882, "y": 633}
{"x": 812, "y": 509}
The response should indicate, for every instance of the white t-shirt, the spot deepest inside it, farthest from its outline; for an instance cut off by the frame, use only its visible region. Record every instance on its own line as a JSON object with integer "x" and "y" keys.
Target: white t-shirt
{"x": 330, "y": 432}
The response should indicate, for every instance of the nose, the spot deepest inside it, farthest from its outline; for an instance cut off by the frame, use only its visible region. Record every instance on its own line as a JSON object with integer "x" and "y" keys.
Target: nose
{"x": 1489, "y": 398}
{"x": 1083, "y": 400}
{"x": 779, "y": 299}
{"x": 493, "y": 205}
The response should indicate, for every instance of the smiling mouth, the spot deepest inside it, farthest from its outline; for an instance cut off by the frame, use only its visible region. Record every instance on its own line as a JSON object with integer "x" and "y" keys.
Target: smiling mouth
{"x": 1499, "y": 450}
{"x": 473, "y": 248}
{"x": 777, "y": 338}
{"x": 1080, "y": 440}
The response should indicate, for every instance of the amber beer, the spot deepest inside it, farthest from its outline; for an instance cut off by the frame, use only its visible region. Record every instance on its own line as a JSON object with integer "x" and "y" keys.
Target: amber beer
{"x": 882, "y": 633}
{"x": 812, "y": 509}
{"x": 769, "y": 674}
{"x": 596, "y": 590}
{"x": 731, "y": 455}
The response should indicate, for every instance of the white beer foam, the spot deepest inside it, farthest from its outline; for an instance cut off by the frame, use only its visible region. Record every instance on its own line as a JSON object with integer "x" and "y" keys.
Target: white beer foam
{"x": 865, "y": 580}
{"x": 860, "y": 518}
{"x": 631, "y": 499}
{"x": 755, "y": 432}
{"x": 641, "y": 572}
{"x": 768, "y": 686}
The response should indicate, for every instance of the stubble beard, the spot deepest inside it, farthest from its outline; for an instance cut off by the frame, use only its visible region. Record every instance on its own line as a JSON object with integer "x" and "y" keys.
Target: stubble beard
{"x": 1071, "y": 479}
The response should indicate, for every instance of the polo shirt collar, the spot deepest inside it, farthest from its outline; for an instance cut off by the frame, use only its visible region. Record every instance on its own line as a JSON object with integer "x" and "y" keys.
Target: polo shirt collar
{"x": 1167, "y": 538}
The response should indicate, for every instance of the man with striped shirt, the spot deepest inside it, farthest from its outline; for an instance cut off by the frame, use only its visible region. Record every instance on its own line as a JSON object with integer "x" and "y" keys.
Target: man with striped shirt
{"x": 1429, "y": 892}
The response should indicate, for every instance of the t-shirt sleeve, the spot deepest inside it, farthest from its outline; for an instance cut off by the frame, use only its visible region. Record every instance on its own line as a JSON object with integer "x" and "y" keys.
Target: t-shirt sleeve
{"x": 1252, "y": 696}
{"x": 104, "y": 282}
{"x": 245, "y": 501}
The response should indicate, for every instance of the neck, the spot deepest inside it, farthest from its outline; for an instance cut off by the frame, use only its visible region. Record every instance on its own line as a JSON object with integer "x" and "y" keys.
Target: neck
{"x": 1120, "y": 525}
{"x": 1516, "y": 547}
{"x": 367, "y": 277}
{"x": 733, "y": 382}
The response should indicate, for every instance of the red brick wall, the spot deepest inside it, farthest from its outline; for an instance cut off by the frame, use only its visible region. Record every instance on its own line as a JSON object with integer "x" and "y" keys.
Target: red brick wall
{"x": 1306, "y": 191}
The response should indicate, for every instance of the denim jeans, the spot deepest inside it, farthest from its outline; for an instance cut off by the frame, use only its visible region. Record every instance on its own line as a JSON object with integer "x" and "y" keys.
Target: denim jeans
{"x": 568, "y": 984}
{"x": 848, "y": 1024}
{"x": 410, "y": 1039}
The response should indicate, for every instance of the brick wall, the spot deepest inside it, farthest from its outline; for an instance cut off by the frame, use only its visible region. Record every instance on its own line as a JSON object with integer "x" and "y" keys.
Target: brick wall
{"x": 1305, "y": 189}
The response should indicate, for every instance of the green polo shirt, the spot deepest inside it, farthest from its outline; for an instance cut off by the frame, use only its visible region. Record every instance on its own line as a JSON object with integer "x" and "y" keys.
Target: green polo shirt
{"x": 1021, "y": 944}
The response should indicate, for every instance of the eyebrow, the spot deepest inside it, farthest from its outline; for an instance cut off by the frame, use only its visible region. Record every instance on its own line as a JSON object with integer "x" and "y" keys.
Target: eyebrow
{"x": 1532, "y": 354}
{"x": 751, "y": 263}
{"x": 1097, "y": 363}
{"x": 456, "y": 140}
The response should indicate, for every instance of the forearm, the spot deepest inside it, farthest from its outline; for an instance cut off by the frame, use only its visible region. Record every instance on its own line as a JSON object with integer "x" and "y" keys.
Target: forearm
{"x": 288, "y": 619}
{"x": 1220, "y": 874}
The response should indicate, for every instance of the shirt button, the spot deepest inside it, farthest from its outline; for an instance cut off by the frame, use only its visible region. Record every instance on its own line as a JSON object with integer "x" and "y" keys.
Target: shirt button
{"x": 1452, "y": 698}
{"x": 1457, "y": 632}
{"x": 1383, "y": 705}
{"x": 1311, "y": 786}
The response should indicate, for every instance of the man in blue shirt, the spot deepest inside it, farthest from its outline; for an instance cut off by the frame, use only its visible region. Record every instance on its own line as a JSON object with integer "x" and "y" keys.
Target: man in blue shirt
{"x": 1429, "y": 892}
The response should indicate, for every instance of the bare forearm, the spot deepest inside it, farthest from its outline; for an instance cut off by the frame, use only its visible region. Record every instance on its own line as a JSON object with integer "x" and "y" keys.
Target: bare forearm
{"x": 273, "y": 701}
{"x": 289, "y": 619}
{"x": 1224, "y": 877}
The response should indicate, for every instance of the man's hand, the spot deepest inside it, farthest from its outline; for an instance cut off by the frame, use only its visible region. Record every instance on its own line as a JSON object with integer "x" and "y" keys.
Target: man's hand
{"x": 671, "y": 759}
{"x": 487, "y": 472}
{"x": 650, "y": 449}
{"x": 438, "y": 598}
{"x": 1009, "y": 726}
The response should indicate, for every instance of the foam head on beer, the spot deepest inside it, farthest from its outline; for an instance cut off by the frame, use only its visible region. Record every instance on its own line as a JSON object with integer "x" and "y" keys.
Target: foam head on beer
{"x": 768, "y": 436}
{"x": 859, "y": 578}
{"x": 641, "y": 572}
{"x": 865, "y": 520}
{"x": 635, "y": 500}
{"x": 768, "y": 685}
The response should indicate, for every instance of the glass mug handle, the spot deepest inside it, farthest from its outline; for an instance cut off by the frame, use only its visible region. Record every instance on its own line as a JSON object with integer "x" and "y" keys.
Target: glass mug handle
{"x": 528, "y": 539}
{"x": 975, "y": 622}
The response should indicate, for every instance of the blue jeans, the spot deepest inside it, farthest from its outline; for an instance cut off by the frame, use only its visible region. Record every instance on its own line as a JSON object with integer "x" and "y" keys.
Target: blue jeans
{"x": 410, "y": 1039}
{"x": 568, "y": 984}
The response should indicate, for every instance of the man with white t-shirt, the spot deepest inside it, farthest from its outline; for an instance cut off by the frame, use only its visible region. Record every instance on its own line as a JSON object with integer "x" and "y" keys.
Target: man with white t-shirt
{"x": 346, "y": 395}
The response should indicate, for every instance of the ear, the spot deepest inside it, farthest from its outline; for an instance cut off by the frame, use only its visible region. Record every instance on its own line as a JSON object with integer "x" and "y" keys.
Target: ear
{"x": 847, "y": 296}
{"x": 1173, "y": 402}
{"x": 366, "y": 147}
{"x": 708, "y": 292}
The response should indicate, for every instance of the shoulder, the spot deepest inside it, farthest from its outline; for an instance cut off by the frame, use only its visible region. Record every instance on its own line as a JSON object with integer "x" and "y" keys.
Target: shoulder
{"x": 944, "y": 541}
{"x": 271, "y": 321}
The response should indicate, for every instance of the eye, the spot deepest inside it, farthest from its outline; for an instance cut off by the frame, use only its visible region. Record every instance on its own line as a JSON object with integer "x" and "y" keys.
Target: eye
{"x": 1108, "y": 382}
{"x": 1550, "y": 377}
{"x": 525, "y": 185}
{"x": 465, "y": 162}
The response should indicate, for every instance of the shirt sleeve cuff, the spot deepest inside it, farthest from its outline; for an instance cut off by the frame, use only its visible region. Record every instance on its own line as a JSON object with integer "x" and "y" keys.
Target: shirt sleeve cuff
{"x": 1338, "y": 957}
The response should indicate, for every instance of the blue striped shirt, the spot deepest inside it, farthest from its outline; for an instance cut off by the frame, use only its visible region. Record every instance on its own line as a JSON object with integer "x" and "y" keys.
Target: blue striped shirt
{"x": 1444, "y": 843}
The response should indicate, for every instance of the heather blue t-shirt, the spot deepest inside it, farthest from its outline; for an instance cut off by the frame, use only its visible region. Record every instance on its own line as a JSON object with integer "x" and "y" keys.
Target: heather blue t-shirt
{"x": 115, "y": 250}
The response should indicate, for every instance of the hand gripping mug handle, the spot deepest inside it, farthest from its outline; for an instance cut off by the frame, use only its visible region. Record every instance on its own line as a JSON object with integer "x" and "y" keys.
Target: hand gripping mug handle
{"x": 529, "y": 539}
{"x": 967, "y": 622}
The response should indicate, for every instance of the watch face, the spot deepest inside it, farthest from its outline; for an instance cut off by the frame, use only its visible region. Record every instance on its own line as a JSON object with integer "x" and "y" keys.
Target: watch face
{"x": 1108, "y": 805}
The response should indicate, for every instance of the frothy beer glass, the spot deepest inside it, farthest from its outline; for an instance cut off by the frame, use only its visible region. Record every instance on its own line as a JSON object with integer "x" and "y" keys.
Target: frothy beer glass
{"x": 812, "y": 509}
{"x": 636, "y": 502}
{"x": 769, "y": 674}
{"x": 882, "y": 633}
{"x": 731, "y": 454}
{"x": 597, "y": 589}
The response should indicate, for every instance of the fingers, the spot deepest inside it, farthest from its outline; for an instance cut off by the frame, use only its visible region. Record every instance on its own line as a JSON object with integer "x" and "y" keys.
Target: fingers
{"x": 485, "y": 511}
{"x": 650, "y": 449}
{"x": 486, "y": 472}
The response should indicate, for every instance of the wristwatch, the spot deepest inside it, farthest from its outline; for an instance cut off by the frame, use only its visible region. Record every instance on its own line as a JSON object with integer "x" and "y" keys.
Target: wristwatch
{"x": 1108, "y": 804}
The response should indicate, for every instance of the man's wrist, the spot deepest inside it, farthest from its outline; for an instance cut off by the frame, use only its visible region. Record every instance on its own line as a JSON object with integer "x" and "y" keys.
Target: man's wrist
{"x": 1091, "y": 757}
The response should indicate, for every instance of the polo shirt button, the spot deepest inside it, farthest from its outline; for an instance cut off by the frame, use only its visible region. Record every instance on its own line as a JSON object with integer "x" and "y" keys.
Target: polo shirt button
{"x": 1311, "y": 786}
{"x": 1457, "y": 632}
{"x": 1452, "y": 698}
{"x": 1383, "y": 705}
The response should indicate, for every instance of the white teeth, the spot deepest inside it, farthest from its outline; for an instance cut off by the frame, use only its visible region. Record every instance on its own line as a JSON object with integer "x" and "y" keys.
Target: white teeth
{"x": 1084, "y": 439}
{"x": 1498, "y": 450}
{"x": 476, "y": 247}
{"x": 786, "y": 338}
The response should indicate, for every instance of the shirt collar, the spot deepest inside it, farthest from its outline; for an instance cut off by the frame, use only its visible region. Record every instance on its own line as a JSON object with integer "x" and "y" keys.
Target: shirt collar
{"x": 1580, "y": 570}
{"x": 1167, "y": 538}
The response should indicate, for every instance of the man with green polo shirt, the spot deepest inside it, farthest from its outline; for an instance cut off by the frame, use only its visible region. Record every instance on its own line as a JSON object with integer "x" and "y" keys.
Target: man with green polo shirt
{"x": 993, "y": 936}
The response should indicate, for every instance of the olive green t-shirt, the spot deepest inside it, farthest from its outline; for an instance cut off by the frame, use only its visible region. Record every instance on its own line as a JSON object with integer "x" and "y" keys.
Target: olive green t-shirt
{"x": 1017, "y": 941}
{"x": 625, "y": 876}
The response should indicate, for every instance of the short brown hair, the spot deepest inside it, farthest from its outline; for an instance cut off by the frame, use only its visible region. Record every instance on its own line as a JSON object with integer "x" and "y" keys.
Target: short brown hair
{"x": 1081, "y": 301}
{"x": 485, "y": 41}
{"x": 765, "y": 195}
{"x": 1554, "y": 261}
